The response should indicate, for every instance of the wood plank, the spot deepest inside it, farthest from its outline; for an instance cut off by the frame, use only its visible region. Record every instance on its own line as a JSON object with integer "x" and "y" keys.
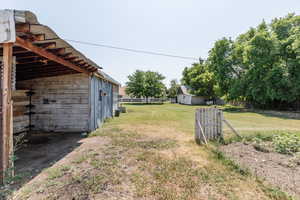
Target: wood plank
{"x": 231, "y": 127}
{"x": 61, "y": 103}
{"x": 25, "y": 28}
{"x": 6, "y": 136}
{"x": 29, "y": 46}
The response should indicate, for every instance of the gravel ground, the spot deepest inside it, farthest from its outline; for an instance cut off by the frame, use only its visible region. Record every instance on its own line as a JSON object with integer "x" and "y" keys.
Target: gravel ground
{"x": 280, "y": 170}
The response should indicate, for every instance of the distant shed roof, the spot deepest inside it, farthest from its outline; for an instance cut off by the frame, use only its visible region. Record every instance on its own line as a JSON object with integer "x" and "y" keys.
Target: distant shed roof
{"x": 185, "y": 90}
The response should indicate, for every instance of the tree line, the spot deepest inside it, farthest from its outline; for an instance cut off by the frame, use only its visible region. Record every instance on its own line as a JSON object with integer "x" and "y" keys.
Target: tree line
{"x": 260, "y": 67}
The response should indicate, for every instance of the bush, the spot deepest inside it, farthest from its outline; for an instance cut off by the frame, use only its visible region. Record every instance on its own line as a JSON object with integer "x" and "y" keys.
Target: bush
{"x": 286, "y": 143}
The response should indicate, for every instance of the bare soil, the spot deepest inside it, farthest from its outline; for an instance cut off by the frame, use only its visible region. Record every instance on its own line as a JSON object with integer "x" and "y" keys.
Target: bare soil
{"x": 278, "y": 169}
{"x": 35, "y": 157}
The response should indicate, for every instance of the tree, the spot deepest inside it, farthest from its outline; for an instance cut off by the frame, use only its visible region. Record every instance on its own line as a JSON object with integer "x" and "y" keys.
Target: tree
{"x": 174, "y": 86}
{"x": 220, "y": 63}
{"x": 262, "y": 66}
{"x": 136, "y": 84}
{"x": 145, "y": 84}
{"x": 199, "y": 79}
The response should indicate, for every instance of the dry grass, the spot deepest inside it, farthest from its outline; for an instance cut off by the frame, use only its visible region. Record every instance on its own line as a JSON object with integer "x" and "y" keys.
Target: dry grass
{"x": 149, "y": 153}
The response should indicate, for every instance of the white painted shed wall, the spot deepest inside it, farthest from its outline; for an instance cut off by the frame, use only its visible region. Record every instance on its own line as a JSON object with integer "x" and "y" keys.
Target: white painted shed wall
{"x": 184, "y": 99}
{"x": 190, "y": 100}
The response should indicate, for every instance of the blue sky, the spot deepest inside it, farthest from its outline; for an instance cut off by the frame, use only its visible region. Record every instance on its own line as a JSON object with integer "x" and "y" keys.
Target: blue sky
{"x": 180, "y": 27}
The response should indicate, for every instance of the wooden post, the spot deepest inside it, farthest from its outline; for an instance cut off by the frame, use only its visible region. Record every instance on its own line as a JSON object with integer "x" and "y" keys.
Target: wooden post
{"x": 6, "y": 134}
{"x": 231, "y": 127}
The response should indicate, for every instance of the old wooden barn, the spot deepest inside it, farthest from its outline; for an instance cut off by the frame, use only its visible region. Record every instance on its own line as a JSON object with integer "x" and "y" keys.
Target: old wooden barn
{"x": 46, "y": 84}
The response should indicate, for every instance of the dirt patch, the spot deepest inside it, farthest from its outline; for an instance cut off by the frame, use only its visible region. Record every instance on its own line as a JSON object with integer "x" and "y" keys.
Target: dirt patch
{"x": 35, "y": 157}
{"x": 77, "y": 174}
{"x": 184, "y": 140}
{"x": 278, "y": 169}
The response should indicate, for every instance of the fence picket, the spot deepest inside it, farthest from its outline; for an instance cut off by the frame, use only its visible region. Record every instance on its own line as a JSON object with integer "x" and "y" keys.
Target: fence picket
{"x": 209, "y": 120}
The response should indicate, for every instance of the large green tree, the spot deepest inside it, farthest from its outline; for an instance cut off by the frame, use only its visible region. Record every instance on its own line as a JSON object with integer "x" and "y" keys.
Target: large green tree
{"x": 145, "y": 84}
{"x": 135, "y": 85}
{"x": 262, "y": 66}
{"x": 199, "y": 79}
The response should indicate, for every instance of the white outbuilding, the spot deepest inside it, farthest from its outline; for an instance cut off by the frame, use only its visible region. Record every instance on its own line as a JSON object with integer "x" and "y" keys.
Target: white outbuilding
{"x": 184, "y": 97}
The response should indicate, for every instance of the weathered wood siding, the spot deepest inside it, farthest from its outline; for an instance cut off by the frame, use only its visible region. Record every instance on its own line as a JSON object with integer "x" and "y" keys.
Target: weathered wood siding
{"x": 20, "y": 111}
{"x": 101, "y": 97}
{"x": 61, "y": 103}
{"x": 115, "y": 98}
{"x": 208, "y": 124}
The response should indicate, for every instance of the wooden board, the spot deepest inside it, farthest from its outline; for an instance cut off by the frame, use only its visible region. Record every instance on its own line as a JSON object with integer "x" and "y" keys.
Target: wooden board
{"x": 20, "y": 118}
{"x": 208, "y": 124}
{"x": 61, "y": 103}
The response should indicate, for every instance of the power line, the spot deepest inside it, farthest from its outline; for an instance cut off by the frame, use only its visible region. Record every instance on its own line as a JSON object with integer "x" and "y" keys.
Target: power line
{"x": 133, "y": 50}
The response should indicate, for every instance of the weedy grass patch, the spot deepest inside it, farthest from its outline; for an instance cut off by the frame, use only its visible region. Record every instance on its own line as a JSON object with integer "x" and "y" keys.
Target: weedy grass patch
{"x": 286, "y": 143}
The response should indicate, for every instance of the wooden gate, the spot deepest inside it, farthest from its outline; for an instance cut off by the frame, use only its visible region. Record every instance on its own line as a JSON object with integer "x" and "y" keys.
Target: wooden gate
{"x": 208, "y": 125}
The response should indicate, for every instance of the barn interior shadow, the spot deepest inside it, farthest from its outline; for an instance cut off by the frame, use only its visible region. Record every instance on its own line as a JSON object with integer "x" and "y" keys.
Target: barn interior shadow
{"x": 32, "y": 159}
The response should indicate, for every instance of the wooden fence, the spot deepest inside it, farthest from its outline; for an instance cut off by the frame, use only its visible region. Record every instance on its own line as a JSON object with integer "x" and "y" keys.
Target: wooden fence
{"x": 208, "y": 125}
{"x": 142, "y": 100}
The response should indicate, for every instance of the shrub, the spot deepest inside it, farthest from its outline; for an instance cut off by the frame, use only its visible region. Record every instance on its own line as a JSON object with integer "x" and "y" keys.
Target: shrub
{"x": 286, "y": 143}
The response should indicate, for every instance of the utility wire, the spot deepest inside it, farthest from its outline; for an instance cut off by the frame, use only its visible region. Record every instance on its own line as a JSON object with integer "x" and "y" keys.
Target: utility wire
{"x": 133, "y": 50}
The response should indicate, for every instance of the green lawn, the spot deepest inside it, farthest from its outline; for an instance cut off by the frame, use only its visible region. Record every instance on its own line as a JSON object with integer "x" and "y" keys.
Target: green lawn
{"x": 149, "y": 153}
{"x": 182, "y": 117}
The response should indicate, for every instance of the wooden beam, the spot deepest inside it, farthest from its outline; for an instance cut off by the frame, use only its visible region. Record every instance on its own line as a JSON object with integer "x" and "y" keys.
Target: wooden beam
{"x": 47, "y": 75}
{"x": 6, "y": 135}
{"x": 48, "y": 55}
{"x": 58, "y": 51}
{"x": 19, "y": 57}
{"x": 16, "y": 50}
{"x": 42, "y": 72}
{"x": 41, "y": 68}
{"x": 33, "y": 37}
{"x": 72, "y": 58}
{"x": 79, "y": 62}
{"x": 66, "y": 55}
{"x": 42, "y": 61}
{"x": 29, "y": 66}
{"x": 48, "y": 45}
{"x": 231, "y": 127}
{"x": 24, "y": 28}
{"x": 39, "y": 37}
